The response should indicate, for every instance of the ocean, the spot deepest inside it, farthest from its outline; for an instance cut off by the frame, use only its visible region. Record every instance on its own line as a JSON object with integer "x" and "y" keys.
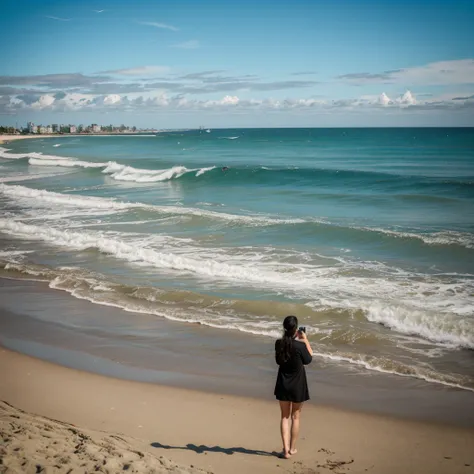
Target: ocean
{"x": 366, "y": 235}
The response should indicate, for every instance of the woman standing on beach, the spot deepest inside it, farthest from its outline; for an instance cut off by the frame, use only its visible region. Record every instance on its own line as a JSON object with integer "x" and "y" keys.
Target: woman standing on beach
{"x": 292, "y": 353}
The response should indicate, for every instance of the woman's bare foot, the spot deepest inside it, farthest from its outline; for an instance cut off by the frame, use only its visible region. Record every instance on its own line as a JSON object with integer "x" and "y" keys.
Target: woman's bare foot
{"x": 284, "y": 455}
{"x": 292, "y": 451}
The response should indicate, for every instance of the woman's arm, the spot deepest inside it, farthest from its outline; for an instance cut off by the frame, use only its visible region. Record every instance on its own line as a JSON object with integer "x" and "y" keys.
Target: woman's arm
{"x": 303, "y": 338}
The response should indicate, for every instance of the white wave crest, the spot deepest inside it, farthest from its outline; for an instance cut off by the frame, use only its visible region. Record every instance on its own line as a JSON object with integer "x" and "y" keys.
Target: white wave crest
{"x": 116, "y": 170}
{"x": 387, "y": 367}
{"x": 11, "y": 156}
{"x": 129, "y": 252}
{"x": 36, "y": 196}
{"x": 462, "y": 239}
{"x": 22, "y": 177}
{"x": 17, "y": 191}
{"x": 444, "y": 328}
{"x": 128, "y": 173}
{"x": 204, "y": 170}
{"x": 64, "y": 162}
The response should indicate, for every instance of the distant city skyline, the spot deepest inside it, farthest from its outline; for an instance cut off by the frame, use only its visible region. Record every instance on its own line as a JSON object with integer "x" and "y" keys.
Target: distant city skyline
{"x": 61, "y": 128}
{"x": 246, "y": 64}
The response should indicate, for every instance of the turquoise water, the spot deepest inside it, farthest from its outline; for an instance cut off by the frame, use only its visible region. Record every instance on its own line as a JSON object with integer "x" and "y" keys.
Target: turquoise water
{"x": 367, "y": 235}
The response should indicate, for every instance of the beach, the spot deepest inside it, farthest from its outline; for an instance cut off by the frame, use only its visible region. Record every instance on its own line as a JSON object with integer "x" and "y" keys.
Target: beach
{"x": 5, "y": 139}
{"x": 9, "y": 138}
{"x": 70, "y": 417}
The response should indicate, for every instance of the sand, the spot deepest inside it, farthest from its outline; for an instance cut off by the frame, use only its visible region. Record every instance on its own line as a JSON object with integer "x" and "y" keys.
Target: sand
{"x": 111, "y": 425}
{"x": 9, "y": 138}
{"x": 33, "y": 443}
{"x": 4, "y": 139}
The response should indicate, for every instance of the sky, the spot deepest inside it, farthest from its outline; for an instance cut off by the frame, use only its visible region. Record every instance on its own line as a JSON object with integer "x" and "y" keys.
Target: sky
{"x": 222, "y": 63}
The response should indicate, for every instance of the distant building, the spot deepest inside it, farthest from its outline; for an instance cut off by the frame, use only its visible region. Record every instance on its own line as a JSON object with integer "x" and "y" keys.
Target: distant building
{"x": 31, "y": 127}
{"x": 56, "y": 128}
{"x": 42, "y": 129}
{"x": 72, "y": 129}
{"x": 96, "y": 128}
{"x": 49, "y": 129}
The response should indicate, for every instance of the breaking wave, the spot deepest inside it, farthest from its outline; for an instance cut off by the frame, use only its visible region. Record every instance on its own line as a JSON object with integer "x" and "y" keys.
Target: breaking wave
{"x": 115, "y": 170}
{"x": 462, "y": 239}
{"x": 403, "y": 303}
{"x": 338, "y": 344}
{"x": 41, "y": 195}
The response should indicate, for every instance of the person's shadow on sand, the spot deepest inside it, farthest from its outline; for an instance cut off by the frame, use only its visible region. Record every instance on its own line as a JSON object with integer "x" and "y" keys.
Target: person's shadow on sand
{"x": 215, "y": 449}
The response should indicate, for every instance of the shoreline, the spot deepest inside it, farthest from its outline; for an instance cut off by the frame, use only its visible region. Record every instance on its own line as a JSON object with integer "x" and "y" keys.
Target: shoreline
{"x": 194, "y": 428}
{"x": 5, "y": 139}
{"x": 53, "y": 326}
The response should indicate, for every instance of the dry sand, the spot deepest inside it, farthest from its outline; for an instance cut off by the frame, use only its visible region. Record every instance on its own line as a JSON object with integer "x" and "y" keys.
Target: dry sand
{"x": 33, "y": 443}
{"x": 9, "y": 138}
{"x": 110, "y": 425}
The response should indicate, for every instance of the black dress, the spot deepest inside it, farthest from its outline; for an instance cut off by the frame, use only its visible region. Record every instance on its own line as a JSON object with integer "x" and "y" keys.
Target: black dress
{"x": 291, "y": 384}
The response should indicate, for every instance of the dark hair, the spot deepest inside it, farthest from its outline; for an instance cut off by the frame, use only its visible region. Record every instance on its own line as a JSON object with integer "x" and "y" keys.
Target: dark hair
{"x": 290, "y": 324}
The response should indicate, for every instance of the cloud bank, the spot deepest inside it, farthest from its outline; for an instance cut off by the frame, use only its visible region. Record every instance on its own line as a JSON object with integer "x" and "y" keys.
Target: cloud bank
{"x": 163, "y": 101}
{"x": 154, "y": 87}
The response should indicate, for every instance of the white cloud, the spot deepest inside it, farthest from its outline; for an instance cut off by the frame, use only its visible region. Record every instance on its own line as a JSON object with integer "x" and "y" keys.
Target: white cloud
{"x": 191, "y": 44}
{"x": 15, "y": 103}
{"x": 140, "y": 71}
{"x": 163, "y": 26}
{"x": 229, "y": 99}
{"x": 161, "y": 101}
{"x": 43, "y": 102}
{"x": 111, "y": 99}
{"x": 384, "y": 99}
{"x": 74, "y": 101}
{"x": 225, "y": 101}
{"x": 407, "y": 99}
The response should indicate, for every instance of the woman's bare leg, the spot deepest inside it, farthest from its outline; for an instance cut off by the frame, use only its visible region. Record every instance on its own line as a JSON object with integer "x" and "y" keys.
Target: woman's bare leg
{"x": 295, "y": 425}
{"x": 285, "y": 408}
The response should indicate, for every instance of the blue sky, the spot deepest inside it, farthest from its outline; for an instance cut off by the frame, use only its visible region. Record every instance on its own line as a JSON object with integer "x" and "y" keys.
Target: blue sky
{"x": 248, "y": 63}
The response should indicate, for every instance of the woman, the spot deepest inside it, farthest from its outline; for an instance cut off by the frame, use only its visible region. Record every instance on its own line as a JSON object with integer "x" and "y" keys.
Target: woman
{"x": 292, "y": 353}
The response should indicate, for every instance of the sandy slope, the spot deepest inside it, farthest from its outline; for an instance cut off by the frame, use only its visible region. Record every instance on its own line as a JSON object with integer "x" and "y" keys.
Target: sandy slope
{"x": 33, "y": 444}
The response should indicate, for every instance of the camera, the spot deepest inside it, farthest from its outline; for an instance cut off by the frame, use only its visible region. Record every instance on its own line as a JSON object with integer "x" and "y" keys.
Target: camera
{"x": 302, "y": 329}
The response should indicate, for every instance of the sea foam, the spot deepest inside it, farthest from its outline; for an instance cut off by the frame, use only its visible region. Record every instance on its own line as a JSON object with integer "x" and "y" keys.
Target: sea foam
{"x": 401, "y": 304}
{"x": 93, "y": 287}
{"x": 36, "y": 196}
